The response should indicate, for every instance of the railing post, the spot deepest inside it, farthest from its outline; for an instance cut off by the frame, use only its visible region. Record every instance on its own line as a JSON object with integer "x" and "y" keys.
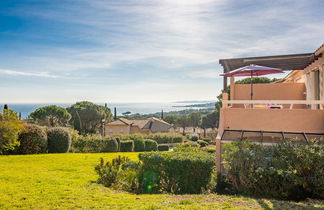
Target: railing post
{"x": 224, "y": 100}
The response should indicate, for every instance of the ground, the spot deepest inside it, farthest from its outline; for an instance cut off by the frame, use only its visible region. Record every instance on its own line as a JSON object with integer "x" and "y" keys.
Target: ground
{"x": 67, "y": 181}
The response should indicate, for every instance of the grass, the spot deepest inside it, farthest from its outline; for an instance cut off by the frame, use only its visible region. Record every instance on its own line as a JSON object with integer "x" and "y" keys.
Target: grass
{"x": 67, "y": 181}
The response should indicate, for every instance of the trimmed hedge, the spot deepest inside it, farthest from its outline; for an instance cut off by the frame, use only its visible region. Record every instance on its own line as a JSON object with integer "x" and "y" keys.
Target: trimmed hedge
{"x": 166, "y": 138}
{"x": 127, "y": 146}
{"x": 139, "y": 145}
{"x": 202, "y": 143}
{"x": 59, "y": 140}
{"x": 285, "y": 171}
{"x": 109, "y": 145}
{"x": 150, "y": 145}
{"x": 33, "y": 140}
{"x": 163, "y": 147}
{"x": 176, "y": 172}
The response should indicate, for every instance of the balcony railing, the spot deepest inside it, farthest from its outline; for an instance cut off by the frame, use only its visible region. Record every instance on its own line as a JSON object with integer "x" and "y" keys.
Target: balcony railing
{"x": 272, "y": 104}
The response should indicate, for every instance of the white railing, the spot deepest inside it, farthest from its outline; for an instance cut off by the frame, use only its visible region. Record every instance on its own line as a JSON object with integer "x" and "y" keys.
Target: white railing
{"x": 273, "y": 103}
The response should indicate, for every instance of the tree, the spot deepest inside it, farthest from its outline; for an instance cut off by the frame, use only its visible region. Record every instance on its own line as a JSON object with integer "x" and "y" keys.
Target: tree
{"x": 194, "y": 119}
{"x": 209, "y": 121}
{"x": 91, "y": 115}
{"x": 10, "y": 126}
{"x": 183, "y": 121}
{"x": 50, "y": 116}
{"x": 77, "y": 122}
{"x": 172, "y": 119}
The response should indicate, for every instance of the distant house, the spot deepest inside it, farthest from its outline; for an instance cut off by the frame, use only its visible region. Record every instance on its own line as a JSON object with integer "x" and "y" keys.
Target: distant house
{"x": 146, "y": 126}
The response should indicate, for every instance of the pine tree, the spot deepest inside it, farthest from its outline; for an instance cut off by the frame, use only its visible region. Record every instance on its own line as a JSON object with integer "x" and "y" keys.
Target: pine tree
{"x": 5, "y": 107}
{"x": 115, "y": 113}
{"x": 162, "y": 116}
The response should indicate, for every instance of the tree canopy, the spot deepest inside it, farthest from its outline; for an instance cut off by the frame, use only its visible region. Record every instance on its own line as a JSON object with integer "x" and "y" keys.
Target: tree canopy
{"x": 50, "y": 116}
{"x": 10, "y": 126}
{"x": 91, "y": 115}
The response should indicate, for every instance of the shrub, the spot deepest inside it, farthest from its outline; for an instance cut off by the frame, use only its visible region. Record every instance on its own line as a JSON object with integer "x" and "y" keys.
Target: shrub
{"x": 150, "y": 145}
{"x": 32, "y": 140}
{"x": 166, "y": 138}
{"x": 127, "y": 146}
{"x": 187, "y": 147}
{"x": 210, "y": 149}
{"x": 208, "y": 140}
{"x": 284, "y": 171}
{"x": 163, "y": 147}
{"x": 194, "y": 138}
{"x": 176, "y": 172}
{"x": 59, "y": 140}
{"x": 139, "y": 145}
{"x": 202, "y": 143}
{"x": 108, "y": 171}
{"x": 109, "y": 145}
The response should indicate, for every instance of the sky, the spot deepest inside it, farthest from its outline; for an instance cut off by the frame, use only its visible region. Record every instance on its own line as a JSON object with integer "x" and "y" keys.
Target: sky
{"x": 65, "y": 51}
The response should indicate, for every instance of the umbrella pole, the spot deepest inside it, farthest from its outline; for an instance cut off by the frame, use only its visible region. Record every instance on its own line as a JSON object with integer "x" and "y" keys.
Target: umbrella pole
{"x": 251, "y": 87}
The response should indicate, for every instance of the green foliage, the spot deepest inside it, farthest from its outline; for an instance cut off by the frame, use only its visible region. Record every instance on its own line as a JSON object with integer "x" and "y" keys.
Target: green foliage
{"x": 163, "y": 147}
{"x": 150, "y": 145}
{"x": 108, "y": 171}
{"x": 33, "y": 140}
{"x": 59, "y": 140}
{"x": 127, "y": 146}
{"x": 194, "y": 119}
{"x": 77, "y": 122}
{"x": 166, "y": 138}
{"x": 139, "y": 145}
{"x": 187, "y": 147}
{"x": 109, "y": 145}
{"x": 50, "y": 116}
{"x": 256, "y": 80}
{"x": 91, "y": 115}
{"x": 10, "y": 126}
{"x": 208, "y": 140}
{"x": 194, "y": 138}
{"x": 210, "y": 120}
{"x": 202, "y": 143}
{"x": 210, "y": 149}
{"x": 176, "y": 172}
{"x": 285, "y": 171}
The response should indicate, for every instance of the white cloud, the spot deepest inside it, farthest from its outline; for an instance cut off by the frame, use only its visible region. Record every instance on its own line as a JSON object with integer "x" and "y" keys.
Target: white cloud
{"x": 28, "y": 74}
{"x": 208, "y": 74}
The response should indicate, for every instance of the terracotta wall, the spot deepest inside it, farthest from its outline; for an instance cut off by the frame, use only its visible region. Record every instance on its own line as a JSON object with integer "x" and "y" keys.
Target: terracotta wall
{"x": 295, "y": 120}
{"x": 116, "y": 129}
{"x": 273, "y": 91}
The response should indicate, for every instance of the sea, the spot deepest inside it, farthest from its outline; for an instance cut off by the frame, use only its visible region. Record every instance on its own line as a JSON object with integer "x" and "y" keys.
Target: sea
{"x": 133, "y": 108}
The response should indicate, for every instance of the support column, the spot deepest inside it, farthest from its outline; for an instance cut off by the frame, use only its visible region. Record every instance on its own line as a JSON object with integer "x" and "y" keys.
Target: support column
{"x": 218, "y": 155}
{"x": 232, "y": 96}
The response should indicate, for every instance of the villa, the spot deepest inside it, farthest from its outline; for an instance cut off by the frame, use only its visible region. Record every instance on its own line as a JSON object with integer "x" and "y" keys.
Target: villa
{"x": 145, "y": 126}
{"x": 291, "y": 108}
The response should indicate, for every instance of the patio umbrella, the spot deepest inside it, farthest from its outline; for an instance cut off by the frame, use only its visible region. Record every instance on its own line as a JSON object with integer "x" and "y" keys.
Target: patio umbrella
{"x": 252, "y": 70}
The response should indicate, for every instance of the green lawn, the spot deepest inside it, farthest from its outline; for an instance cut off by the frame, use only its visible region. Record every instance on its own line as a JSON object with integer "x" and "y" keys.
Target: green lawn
{"x": 68, "y": 181}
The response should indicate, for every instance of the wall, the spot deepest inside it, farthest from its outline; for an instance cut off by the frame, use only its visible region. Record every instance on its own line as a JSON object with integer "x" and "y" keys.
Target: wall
{"x": 295, "y": 120}
{"x": 116, "y": 129}
{"x": 272, "y": 91}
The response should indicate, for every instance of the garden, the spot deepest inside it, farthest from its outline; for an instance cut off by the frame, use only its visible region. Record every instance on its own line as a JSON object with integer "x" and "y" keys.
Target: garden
{"x": 55, "y": 167}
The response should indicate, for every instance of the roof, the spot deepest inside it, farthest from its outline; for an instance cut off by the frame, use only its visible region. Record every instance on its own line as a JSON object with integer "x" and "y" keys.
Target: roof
{"x": 142, "y": 124}
{"x": 284, "y": 62}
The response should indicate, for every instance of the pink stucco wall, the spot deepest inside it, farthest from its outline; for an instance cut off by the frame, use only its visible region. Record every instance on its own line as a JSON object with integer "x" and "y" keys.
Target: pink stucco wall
{"x": 295, "y": 120}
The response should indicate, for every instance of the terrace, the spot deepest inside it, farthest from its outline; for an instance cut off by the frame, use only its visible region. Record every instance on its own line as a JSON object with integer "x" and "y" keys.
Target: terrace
{"x": 291, "y": 108}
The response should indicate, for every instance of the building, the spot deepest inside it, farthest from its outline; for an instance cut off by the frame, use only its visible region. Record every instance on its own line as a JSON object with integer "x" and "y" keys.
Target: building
{"x": 291, "y": 108}
{"x": 145, "y": 126}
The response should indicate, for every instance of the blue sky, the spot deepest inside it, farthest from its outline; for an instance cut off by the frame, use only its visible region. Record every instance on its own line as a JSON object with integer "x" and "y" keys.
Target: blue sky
{"x": 141, "y": 51}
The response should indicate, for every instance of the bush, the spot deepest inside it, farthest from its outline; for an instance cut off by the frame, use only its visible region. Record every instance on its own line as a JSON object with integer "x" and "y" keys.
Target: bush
{"x": 208, "y": 140}
{"x": 108, "y": 171}
{"x": 32, "y": 140}
{"x": 210, "y": 149}
{"x": 202, "y": 143}
{"x": 284, "y": 171}
{"x": 59, "y": 140}
{"x": 166, "y": 138}
{"x": 139, "y": 145}
{"x": 187, "y": 147}
{"x": 150, "y": 145}
{"x": 176, "y": 172}
{"x": 194, "y": 138}
{"x": 109, "y": 145}
{"x": 163, "y": 147}
{"x": 127, "y": 146}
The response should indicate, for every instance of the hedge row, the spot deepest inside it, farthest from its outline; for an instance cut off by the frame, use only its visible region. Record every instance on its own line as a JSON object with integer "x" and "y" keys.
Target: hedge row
{"x": 35, "y": 140}
{"x": 95, "y": 144}
{"x": 284, "y": 171}
{"x": 176, "y": 172}
{"x": 160, "y": 138}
